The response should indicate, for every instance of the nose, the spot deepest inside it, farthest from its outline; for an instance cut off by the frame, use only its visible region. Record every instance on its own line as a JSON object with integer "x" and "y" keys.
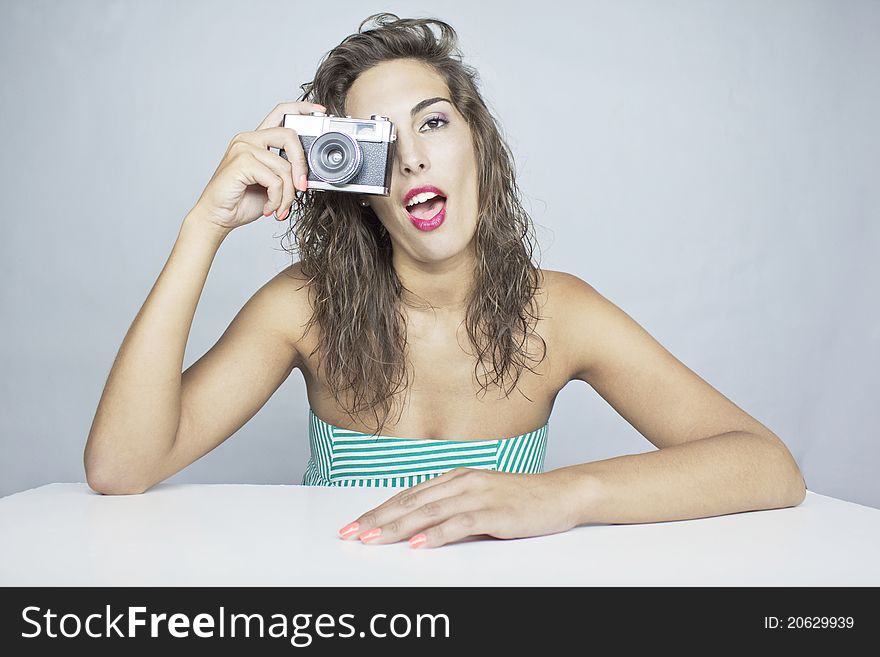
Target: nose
{"x": 411, "y": 158}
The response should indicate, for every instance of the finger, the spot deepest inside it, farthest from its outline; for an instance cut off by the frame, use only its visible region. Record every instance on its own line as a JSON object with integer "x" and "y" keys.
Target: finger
{"x": 256, "y": 172}
{"x": 281, "y": 168}
{"x": 296, "y": 156}
{"x": 405, "y": 499}
{"x": 459, "y": 526}
{"x": 275, "y": 117}
{"x": 427, "y": 515}
{"x": 285, "y": 139}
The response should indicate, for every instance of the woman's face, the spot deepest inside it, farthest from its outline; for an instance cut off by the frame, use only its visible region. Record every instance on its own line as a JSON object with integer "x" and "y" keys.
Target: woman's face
{"x": 434, "y": 147}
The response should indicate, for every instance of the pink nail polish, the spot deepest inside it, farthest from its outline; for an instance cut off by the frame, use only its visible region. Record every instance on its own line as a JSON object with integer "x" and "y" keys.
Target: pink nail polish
{"x": 370, "y": 535}
{"x": 418, "y": 540}
{"x": 349, "y": 529}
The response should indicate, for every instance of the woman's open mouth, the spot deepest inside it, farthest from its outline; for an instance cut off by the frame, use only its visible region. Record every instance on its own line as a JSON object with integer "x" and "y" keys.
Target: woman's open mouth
{"x": 429, "y": 214}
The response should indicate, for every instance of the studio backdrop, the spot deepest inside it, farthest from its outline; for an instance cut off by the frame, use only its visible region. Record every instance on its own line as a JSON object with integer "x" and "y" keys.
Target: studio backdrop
{"x": 710, "y": 167}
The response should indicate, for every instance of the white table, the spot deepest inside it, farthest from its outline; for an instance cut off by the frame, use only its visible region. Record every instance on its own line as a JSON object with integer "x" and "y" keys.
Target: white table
{"x": 65, "y": 534}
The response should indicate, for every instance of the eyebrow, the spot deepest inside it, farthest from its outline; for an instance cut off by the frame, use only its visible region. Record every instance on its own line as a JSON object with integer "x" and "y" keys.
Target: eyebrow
{"x": 425, "y": 103}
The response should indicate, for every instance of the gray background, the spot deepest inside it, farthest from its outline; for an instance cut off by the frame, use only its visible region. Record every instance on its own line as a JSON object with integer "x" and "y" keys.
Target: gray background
{"x": 722, "y": 160}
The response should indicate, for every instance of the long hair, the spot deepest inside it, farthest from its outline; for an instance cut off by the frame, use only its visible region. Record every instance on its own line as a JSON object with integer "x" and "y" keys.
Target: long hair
{"x": 345, "y": 252}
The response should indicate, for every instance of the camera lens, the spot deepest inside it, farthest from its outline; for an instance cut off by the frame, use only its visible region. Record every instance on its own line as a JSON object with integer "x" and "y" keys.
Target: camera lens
{"x": 335, "y": 157}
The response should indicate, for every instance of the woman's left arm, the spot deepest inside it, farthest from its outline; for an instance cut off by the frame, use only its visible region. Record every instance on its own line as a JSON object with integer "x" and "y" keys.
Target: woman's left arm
{"x": 729, "y": 473}
{"x": 713, "y": 458}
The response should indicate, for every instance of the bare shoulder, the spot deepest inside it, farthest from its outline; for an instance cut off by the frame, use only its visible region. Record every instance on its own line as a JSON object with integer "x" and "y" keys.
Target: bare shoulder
{"x": 562, "y": 283}
{"x": 292, "y": 280}
{"x": 287, "y": 302}
{"x": 564, "y": 291}
{"x": 574, "y": 308}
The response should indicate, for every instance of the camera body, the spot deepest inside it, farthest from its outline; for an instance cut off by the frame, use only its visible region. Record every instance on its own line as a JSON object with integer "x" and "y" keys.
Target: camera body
{"x": 345, "y": 154}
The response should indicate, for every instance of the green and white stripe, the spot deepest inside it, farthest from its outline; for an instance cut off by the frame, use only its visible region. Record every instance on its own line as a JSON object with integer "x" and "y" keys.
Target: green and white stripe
{"x": 341, "y": 457}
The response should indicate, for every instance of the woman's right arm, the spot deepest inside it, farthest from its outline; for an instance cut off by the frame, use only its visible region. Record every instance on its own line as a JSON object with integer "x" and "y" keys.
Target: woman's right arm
{"x": 139, "y": 412}
{"x": 152, "y": 420}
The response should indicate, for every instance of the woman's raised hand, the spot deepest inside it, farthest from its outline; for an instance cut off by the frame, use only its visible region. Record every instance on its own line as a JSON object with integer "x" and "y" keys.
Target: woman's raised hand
{"x": 252, "y": 180}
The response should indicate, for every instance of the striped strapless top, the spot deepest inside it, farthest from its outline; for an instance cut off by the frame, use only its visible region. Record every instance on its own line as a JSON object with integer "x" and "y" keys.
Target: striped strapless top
{"x": 341, "y": 457}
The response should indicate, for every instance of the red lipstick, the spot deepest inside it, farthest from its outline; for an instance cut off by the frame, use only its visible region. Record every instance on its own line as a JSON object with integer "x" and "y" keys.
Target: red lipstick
{"x": 428, "y": 223}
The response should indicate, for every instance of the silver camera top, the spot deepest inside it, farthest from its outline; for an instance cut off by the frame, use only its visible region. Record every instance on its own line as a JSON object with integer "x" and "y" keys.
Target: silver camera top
{"x": 377, "y": 128}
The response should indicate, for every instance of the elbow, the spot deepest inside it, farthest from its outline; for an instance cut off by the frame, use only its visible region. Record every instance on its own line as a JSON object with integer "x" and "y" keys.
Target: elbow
{"x": 796, "y": 490}
{"x": 793, "y": 486}
{"x": 105, "y": 477}
{"x": 799, "y": 493}
{"x": 106, "y": 483}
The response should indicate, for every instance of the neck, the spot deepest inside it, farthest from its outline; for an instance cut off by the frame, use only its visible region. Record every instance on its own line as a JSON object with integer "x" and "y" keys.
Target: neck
{"x": 436, "y": 287}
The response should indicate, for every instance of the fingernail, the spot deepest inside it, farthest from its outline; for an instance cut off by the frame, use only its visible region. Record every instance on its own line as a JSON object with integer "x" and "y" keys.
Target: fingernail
{"x": 266, "y": 213}
{"x": 283, "y": 215}
{"x": 349, "y": 529}
{"x": 370, "y": 535}
{"x": 303, "y": 182}
{"x": 418, "y": 540}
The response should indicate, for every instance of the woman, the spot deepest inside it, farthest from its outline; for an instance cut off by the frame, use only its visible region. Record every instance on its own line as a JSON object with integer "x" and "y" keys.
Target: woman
{"x": 421, "y": 310}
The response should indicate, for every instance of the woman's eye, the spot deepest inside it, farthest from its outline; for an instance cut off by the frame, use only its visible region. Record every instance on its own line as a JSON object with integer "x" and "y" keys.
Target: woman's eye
{"x": 437, "y": 120}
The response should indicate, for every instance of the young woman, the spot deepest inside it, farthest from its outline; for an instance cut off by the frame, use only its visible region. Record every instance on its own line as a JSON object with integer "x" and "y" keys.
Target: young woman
{"x": 439, "y": 347}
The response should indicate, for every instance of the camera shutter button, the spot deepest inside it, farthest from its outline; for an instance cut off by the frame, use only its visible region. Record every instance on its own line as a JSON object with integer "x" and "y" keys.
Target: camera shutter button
{"x": 377, "y": 117}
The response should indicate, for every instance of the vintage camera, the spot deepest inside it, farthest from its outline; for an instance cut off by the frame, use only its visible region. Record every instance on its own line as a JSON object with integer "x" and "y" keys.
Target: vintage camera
{"x": 345, "y": 154}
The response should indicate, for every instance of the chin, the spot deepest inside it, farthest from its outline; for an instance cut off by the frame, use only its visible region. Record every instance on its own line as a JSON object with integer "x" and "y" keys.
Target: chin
{"x": 441, "y": 248}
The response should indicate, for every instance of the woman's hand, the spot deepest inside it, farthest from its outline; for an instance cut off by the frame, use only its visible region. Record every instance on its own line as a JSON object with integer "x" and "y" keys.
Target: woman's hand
{"x": 466, "y": 502}
{"x": 251, "y": 179}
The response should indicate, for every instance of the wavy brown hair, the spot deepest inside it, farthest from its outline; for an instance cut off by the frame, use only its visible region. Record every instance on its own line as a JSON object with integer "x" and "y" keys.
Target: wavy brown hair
{"x": 345, "y": 252}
